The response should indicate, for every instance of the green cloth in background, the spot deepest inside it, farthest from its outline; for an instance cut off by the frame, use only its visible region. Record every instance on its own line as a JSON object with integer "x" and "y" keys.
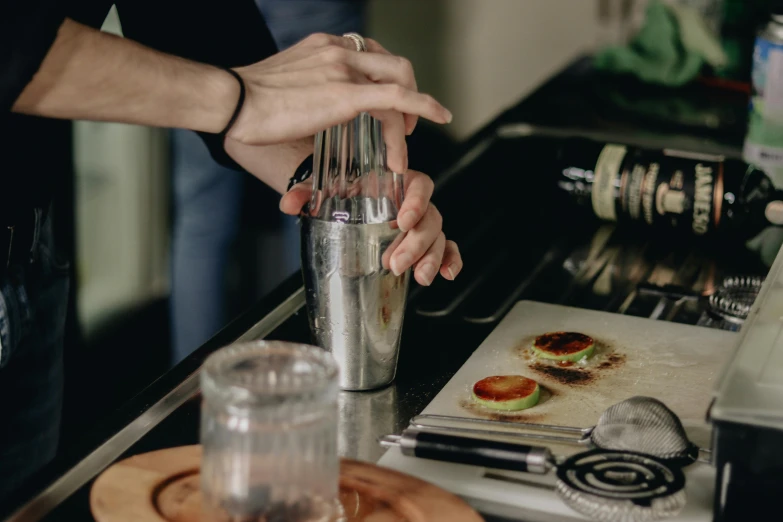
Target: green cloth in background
{"x": 670, "y": 49}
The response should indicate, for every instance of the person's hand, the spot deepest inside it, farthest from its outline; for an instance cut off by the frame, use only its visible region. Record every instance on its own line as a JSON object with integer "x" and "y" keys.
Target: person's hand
{"x": 323, "y": 81}
{"x": 422, "y": 243}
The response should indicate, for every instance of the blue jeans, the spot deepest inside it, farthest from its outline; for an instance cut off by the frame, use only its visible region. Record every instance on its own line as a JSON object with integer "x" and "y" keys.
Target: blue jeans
{"x": 207, "y": 201}
{"x": 292, "y": 20}
{"x": 33, "y": 305}
{"x": 207, "y": 197}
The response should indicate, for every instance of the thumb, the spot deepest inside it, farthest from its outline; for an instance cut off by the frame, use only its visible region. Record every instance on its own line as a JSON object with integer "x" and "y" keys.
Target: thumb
{"x": 295, "y": 199}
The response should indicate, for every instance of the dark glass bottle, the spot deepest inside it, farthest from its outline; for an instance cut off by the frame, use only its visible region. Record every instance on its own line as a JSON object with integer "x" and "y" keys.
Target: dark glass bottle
{"x": 699, "y": 194}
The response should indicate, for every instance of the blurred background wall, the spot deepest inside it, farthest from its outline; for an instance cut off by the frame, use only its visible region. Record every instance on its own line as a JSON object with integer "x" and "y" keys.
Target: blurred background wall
{"x": 480, "y": 56}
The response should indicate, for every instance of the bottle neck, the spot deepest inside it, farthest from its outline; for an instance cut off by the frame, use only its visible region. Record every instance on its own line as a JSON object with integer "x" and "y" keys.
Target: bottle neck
{"x": 753, "y": 203}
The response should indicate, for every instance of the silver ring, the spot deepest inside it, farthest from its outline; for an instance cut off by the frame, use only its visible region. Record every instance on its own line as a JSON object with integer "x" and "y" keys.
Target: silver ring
{"x": 358, "y": 40}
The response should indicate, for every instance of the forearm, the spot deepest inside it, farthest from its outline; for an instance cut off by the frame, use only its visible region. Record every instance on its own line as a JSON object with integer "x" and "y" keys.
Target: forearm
{"x": 272, "y": 164}
{"x": 91, "y": 75}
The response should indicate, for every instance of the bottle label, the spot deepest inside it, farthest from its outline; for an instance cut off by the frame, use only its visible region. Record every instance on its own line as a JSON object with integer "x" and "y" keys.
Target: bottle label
{"x": 767, "y": 76}
{"x": 606, "y": 182}
{"x": 673, "y": 189}
{"x": 705, "y": 178}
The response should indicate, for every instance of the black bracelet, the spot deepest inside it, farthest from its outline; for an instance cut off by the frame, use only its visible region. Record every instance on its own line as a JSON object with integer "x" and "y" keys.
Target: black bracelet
{"x": 240, "y": 103}
{"x": 302, "y": 173}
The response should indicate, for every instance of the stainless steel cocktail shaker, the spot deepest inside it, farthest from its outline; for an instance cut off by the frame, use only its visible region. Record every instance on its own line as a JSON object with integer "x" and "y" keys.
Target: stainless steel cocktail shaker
{"x": 355, "y": 305}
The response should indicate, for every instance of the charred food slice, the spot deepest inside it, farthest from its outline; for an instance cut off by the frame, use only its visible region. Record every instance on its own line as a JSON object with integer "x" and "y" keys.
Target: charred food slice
{"x": 506, "y": 392}
{"x": 563, "y": 346}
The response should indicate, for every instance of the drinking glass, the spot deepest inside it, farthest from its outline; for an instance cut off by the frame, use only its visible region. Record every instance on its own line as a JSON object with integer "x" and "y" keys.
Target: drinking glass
{"x": 269, "y": 433}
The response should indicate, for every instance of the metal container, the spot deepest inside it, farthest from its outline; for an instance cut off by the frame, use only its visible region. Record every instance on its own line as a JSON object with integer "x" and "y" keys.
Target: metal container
{"x": 355, "y": 305}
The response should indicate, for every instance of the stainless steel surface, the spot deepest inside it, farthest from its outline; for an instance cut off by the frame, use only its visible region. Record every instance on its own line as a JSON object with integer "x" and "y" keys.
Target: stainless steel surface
{"x": 734, "y": 298}
{"x": 407, "y": 444}
{"x": 356, "y": 306}
{"x": 390, "y": 441}
{"x": 506, "y": 434}
{"x": 363, "y": 417}
{"x": 648, "y": 412}
{"x": 749, "y": 391}
{"x": 644, "y": 425}
{"x": 351, "y": 181}
{"x": 587, "y": 481}
{"x": 649, "y": 489}
{"x": 524, "y": 430}
{"x": 108, "y": 452}
{"x": 539, "y": 460}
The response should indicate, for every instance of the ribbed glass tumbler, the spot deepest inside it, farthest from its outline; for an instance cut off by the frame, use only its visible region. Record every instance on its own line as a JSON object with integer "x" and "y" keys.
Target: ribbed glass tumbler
{"x": 269, "y": 434}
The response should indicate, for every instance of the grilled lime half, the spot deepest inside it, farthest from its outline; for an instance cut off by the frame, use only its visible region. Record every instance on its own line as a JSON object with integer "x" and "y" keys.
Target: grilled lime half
{"x": 506, "y": 392}
{"x": 563, "y": 346}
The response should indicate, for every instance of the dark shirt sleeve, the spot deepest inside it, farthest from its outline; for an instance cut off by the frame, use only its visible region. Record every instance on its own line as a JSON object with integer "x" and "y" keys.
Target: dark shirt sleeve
{"x": 27, "y": 30}
{"x": 224, "y": 33}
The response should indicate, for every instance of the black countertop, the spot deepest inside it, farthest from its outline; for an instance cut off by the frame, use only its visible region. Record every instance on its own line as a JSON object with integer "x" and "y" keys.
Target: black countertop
{"x": 515, "y": 246}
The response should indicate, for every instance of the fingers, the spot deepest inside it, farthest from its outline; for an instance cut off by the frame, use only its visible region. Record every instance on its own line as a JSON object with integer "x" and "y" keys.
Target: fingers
{"x": 325, "y": 40}
{"x": 295, "y": 199}
{"x": 379, "y": 65}
{"x": 418, "y": 191}
{"x": 321, "y": 82}
{"x": 374, "y": 47}
{"x": 410, "y": 119}
{"x": 417, "y": 241}
{"x": 367, "y": 98}
{"x": 451, "y": 264}
{"x": 427, "y": 267}
{"x": 394, "y": 137}
{"x": 386, "y": 257}
{"x": 410, "y": 123}
{"x": 318, "y": 75}
{"x": 382, "y": 68}
{"x": 288, "y": 114}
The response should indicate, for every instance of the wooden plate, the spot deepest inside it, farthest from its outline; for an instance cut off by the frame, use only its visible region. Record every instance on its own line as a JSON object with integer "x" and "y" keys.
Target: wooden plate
{"x": 163, "y": 486}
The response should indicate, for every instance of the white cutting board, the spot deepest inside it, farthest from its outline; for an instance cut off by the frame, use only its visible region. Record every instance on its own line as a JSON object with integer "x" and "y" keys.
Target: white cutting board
{"x": 674, "y": 363}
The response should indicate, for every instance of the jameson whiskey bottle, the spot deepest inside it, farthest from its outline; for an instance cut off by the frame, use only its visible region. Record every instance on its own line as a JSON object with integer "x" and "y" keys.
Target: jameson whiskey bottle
{"x": 699, "y": 194}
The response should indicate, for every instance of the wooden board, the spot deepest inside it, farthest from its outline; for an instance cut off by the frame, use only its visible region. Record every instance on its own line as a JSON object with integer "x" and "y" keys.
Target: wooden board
{"x": 163, "y": 486}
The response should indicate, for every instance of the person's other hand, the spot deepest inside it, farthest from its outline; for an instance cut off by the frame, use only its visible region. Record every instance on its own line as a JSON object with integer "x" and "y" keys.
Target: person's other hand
{"x": 422, "y": 243}
{"x": 323, "y": 81}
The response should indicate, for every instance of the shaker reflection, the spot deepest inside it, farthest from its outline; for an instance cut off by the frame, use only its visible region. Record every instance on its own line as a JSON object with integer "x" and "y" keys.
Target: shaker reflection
{"x": 363, "y": 418}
